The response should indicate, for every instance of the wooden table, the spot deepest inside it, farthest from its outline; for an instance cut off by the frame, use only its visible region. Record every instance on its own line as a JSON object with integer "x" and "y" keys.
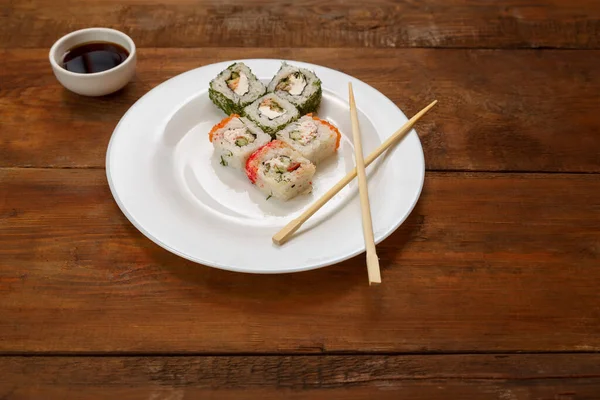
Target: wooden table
{"x": 491, "y": 287}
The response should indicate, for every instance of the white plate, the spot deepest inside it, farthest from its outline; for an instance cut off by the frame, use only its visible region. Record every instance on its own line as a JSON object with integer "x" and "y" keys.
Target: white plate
{"x": 164, "y": 178}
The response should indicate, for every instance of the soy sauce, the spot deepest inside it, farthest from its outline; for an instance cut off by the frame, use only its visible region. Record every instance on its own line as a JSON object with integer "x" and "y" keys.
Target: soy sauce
{"x": 91, "y": 57}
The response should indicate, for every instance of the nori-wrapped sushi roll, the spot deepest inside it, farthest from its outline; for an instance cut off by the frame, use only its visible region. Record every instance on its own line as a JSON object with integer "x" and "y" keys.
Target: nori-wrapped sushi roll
{"x": 271, "y": 113}
{"x": 299, "y": 86}
{"x": 235, "y": 88}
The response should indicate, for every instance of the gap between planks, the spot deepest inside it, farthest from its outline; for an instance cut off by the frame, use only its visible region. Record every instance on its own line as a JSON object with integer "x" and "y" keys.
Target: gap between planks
{"x": 2, "y": 48}
{"x": 437, "y": 171}
{"x": 83, "y": 354}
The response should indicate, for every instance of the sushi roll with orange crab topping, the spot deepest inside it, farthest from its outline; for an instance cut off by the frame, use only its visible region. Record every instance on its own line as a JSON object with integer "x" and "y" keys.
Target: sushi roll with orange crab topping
{"x": 280, "y": 171}
{"x": 235, "y": 138}
{"x": 314, "y": 138}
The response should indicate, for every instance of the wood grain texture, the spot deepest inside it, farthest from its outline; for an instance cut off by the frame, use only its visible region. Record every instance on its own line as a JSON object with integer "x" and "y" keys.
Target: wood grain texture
{"x": 494, "y": 114}
{"x": 310, "y": 23}
{"x": 485, "y": 262}
{"x": 504, "y": 377}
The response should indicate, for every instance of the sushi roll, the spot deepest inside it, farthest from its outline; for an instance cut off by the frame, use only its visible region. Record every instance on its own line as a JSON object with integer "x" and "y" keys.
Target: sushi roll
{"x": 280, "y": 171}
{"x": 299, "y": 86}
{"x": 235, "y": 138}
{"x": 235, "y": 88}
{"x": 312, "y": 137}
{"x": 271, "y": 113}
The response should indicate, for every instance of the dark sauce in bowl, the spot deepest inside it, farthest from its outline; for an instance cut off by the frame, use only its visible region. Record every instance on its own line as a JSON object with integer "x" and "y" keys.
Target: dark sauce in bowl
{"x": 92, "y": 57}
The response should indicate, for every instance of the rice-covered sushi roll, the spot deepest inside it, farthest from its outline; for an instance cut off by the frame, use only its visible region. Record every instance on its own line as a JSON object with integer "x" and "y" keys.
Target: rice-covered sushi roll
{"x": 271, "y": 113}
{"x": 235, "y": 88}
{"x": 314, "y": 138}
{"x": 280, "y": 171}
{"x": 299, "y": 86}
{"x": 235, "y": 138}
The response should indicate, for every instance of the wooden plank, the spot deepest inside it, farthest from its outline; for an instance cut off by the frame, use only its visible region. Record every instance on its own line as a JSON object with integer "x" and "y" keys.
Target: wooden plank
{"x": 485, "y": 262}
{"x": 310, "y": 23}
{"x": 514, "y": 377}
{"x": 493, "y": 115}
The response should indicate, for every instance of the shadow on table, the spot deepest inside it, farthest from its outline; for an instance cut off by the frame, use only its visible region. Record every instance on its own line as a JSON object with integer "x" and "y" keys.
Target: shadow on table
{"x": 104, "y": 108}
{"x": 298, "y": 289}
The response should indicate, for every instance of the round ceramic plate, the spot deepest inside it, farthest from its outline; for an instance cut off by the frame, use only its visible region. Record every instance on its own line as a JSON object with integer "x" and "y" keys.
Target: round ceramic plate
{"x": 164, "y": 177}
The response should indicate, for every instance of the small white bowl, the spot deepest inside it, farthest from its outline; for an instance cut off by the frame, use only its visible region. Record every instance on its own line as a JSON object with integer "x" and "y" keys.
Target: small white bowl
{"x": 99, "y": 83}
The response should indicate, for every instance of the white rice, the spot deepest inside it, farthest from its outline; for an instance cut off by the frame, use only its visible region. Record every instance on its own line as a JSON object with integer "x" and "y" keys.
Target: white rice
{"x": 237, "y": 140}
{"x": 311, "y": 138}
{"x": 281, "y": 172}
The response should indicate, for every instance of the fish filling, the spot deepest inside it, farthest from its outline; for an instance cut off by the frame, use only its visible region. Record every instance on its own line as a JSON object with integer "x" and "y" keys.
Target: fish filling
{"x": 239, "y": 136}
{"x": 305, "y": 132}
{"x": 294, "y": 84}
{"x": 270, "y": 109}
{"x": 238, "y": 83}
{"x": 280, "y": 168}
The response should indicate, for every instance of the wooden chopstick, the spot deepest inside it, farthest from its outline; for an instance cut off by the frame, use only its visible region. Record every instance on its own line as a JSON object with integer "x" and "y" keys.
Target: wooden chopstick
{"x": 284, "y": 234}
{"x": 363, "y": 192}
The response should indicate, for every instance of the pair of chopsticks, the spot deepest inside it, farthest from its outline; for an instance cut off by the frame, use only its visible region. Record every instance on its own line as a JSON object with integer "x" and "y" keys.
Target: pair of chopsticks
{"x": 372, "y": 261}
